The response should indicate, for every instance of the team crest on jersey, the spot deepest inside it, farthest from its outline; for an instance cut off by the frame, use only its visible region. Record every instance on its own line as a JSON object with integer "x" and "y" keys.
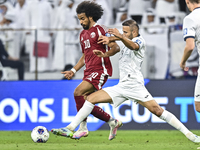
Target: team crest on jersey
{"x": 81, "y": 38}
{"x": 92, "y": 35}
{"x": 138, "y": 41}
{"x": 185, "y": 31}
{"x": 108, "y": 35}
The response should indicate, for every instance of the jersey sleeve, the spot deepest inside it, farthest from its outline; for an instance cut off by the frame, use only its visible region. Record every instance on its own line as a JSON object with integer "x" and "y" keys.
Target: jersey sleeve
{"x": 80, "y": 40}
{"x": 138, "y": 41}
{"x": 188, "y": 28}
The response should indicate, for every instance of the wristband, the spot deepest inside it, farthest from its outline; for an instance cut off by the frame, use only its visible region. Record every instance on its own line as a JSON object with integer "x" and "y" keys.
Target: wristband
{"x": 73, "y": 70}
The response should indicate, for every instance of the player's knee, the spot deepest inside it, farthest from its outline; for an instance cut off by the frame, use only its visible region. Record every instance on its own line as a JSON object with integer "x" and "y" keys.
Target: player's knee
{"x": 77, "y": 92}
{"x": 157, "y": 111}
{"x": 90, "y": 99}
{"x": 197, "y": 109}
{"x": 197, "y": 106}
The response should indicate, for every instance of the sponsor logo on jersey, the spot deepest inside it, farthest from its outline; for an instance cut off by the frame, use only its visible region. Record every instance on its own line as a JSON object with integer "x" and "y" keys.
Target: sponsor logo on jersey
{"x": 197, "y": 95}
{"x": 92, "y": 35}
{"x": 185, "y": 31}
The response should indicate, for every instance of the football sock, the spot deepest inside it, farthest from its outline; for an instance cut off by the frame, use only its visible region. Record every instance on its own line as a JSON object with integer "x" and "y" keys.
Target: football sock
{"x": 79, "y": 103}
{"x": 97, "y": 111}
{"x": 173, "y": 121}
{"x": 100, "y": 114}
{"x": 81, "y": 115}
{"x": 83, "y": 125}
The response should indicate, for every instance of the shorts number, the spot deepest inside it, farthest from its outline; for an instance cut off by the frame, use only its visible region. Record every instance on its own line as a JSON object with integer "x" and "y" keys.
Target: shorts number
{"x": 87, "y": 43}
{"x": 92, "y": 76}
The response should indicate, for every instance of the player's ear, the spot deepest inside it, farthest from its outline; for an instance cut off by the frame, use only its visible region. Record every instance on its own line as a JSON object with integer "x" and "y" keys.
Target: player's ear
{"x": 91, "y": 19}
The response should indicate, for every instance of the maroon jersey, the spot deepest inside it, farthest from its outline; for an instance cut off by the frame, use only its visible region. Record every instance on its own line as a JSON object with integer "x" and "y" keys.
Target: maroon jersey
{"x": 88, "y": 40}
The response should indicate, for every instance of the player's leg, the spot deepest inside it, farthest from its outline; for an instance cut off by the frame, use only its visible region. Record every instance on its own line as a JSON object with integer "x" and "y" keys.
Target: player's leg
{"x": 197, "y": 106}
{"x": 153, "y": 107}
{"x": 83, "y": 89}
{"x": 197, "y": 94}
{"x": 96, "y": 97}
{"x": 103, "y": 97}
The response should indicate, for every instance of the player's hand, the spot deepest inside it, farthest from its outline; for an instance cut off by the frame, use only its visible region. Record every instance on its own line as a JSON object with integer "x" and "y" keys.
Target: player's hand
{"x": 99, "y": 53}
{"x": 183, "y": 66}
{"x": 68, "y": 74}
{"x": 103, "y": 39}
{"x": 115, "y": 32}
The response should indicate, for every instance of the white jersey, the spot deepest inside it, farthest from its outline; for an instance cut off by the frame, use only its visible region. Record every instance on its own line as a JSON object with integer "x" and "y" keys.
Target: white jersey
{"x": 130, "y": 62}
{"x": 191, "y": 27}
{"x": 131, "y": 84}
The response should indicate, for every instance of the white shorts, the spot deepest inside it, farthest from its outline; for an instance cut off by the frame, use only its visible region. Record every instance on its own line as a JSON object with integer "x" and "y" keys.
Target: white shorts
{"x": 197, "y": 89}
{"x": 122, "y": 92}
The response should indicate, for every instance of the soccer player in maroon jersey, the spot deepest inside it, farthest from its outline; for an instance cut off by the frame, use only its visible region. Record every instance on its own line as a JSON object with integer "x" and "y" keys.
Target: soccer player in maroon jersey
{"x": 96, "y": 70}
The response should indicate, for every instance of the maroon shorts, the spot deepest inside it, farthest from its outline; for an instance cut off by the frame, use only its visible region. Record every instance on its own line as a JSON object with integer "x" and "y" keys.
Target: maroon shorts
{"x": 97, "y": 79}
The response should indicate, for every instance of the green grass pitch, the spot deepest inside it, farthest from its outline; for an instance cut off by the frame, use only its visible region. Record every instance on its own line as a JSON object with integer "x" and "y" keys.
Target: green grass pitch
{"x": 98, "y": 140}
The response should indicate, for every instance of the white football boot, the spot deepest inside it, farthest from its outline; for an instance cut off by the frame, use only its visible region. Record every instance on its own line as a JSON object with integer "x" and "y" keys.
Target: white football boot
{"x": 82, "y": 131}
{"x": 194, "y": 138}
{"x": 62, "y": 132}
{"x": 114, "y": 125}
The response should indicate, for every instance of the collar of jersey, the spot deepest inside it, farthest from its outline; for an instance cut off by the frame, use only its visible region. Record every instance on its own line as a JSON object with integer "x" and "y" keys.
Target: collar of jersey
{"x": 94, "y": 24}
{"x": 197, "y": 8}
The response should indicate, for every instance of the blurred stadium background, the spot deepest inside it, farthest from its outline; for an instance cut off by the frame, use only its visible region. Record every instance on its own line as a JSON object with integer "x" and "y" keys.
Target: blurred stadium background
{"x": 45, "y": 98}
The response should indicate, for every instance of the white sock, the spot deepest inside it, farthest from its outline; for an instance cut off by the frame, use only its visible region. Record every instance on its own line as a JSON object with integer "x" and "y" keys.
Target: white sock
{"x": 81, "y": 115}
{"x": 83, "y": 125}
{"x": 173, "y": 121}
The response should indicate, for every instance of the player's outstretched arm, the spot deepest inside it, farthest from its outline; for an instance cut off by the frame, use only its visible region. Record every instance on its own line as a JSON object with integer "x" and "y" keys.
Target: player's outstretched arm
{"x": 187, "y": 52}
{"x": 68, "y": 74}
{"x": 78, "y": 66}
{"x": 106, "y": 40}
{"x": 114, "y": 48}
{"x": 127, "y": 42}
{"x": 110, "y": 41}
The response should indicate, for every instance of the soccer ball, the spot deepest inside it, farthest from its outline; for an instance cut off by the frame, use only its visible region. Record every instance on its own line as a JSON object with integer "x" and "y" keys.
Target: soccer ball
{"x": 40, "y": 134}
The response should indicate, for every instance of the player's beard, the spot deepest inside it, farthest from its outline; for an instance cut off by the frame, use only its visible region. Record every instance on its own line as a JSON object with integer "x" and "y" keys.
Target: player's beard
{"x": 86, "y": 27}
{"x": 130, "y": 36}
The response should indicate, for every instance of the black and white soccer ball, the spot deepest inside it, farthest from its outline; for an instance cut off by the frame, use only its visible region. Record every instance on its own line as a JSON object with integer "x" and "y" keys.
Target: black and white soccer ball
{"x": 40, "y": 134}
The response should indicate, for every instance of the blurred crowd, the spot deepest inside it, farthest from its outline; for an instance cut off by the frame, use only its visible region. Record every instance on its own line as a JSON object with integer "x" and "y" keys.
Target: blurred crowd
{"x": 59, "y": 28}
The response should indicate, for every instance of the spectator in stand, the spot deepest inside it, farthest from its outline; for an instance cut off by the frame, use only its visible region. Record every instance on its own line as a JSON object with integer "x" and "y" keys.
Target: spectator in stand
{"x": 64, "y": 54}
{"x": 150, "y": 21}
{"x": 39, "y": 15}
{"x": 136, "y": 8}
{"x": 6, "y": 59}
{"x": 164, "y": 8}
{"x": 19, "y": 36}
{"x": 107, "y": 18}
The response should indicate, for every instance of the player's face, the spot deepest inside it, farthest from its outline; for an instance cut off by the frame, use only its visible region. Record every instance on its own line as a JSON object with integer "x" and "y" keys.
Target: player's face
{"x": 84, "y": 21}
{"x": 127, "y": 32}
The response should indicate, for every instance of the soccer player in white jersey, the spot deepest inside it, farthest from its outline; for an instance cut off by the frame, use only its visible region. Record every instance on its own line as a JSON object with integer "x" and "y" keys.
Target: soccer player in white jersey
{"x": 191, "y": 29}
{"x": 131, "y": 82}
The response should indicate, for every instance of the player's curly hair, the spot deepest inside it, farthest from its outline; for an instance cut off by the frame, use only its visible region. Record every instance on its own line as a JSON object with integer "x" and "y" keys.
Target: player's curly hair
{"x": 91, "y": 9}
